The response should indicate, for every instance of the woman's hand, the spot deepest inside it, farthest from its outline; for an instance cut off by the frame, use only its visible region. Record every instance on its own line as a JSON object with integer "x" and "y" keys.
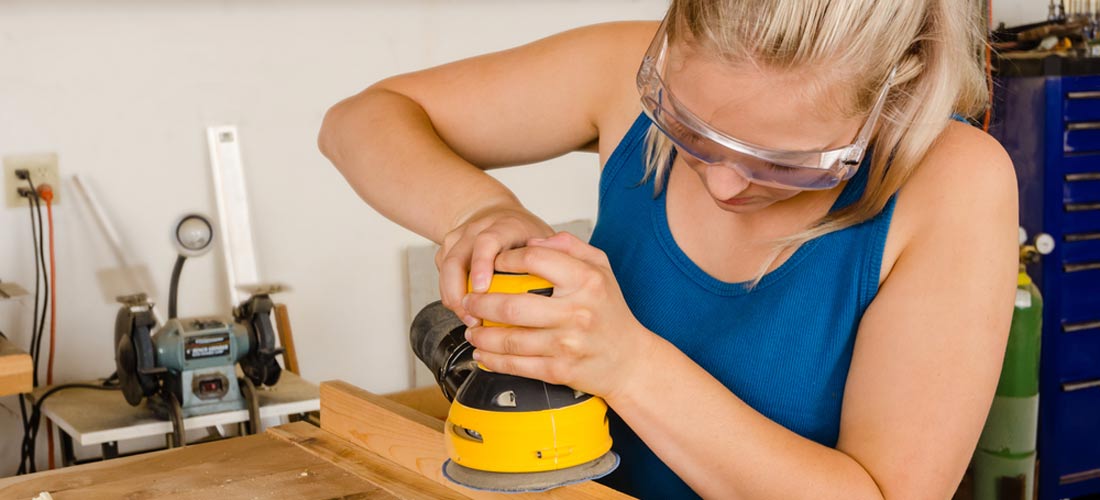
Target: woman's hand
{"x": 584, "y": 336}
{"x": 470, "y": 248}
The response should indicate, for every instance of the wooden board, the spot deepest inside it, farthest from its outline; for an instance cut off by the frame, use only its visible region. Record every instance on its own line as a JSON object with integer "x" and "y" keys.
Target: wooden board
{"x": 15, "y": 369}
{"x": 253, "y": 467}
{"x": 426, "y": 400}
{"x": 414, "y": 440}
{"x": 361, "y": 462}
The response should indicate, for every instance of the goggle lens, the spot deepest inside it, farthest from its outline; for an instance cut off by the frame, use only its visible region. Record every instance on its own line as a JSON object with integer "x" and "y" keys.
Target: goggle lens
{"x": 752, "y": 168}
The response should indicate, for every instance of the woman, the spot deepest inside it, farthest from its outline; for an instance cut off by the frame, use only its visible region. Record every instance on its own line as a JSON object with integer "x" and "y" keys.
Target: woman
{"x": 801, "y": 277}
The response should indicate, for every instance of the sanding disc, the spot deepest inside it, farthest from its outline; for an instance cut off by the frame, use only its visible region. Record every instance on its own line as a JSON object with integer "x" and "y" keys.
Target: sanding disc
{"x": 521, "y": 482}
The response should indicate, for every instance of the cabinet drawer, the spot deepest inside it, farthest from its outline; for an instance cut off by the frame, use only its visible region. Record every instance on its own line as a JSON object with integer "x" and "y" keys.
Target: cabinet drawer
{"x": 1080, "y": 296}
{"x": 1081, "y": 188}
{"x": 1076, "y": 415}
{"x": 1079, "y": 353}
{"x": 1083, "y": 220}
{"x": 1082, "y": 106}
{"x": 1082, "y": 137}
{"x": 1080, "y": 249}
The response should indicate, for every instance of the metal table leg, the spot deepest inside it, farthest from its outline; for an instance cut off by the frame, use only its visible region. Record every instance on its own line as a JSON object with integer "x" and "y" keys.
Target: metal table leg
{"x": 68, "y": 456}
{"x": 110, "y": 450}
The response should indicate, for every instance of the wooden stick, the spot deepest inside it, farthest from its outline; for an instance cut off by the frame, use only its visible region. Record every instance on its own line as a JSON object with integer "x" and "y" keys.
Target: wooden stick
{"x": 15, "y": 369}
{"x": 286, "y": 338}
{"x": 414, "y": 440}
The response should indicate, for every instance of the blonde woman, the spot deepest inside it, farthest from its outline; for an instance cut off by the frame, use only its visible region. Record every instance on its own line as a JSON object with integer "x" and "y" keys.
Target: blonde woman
{"x": 801, "y": 277}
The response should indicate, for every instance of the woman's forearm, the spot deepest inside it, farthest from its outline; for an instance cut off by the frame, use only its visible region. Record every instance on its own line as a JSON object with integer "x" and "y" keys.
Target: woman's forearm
{"x": 385, "y": 146}
{"x": 723, "y": 448}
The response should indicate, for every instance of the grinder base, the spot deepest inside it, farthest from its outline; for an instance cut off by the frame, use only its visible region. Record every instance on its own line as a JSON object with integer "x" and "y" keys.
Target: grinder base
{"x": 521, "y": 482}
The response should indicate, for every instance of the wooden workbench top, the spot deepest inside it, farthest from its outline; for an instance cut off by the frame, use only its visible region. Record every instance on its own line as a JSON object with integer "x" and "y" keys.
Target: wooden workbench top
{"x": 368, "y": 447}
{"x": 260, "y": 466}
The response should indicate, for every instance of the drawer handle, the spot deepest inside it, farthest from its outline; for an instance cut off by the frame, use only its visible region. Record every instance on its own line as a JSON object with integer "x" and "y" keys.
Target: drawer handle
{"x": 1077, "y": 327}
{"x": 1083, "y": 126}
{"x": 1081, "y": 207}
{"x": 1088, "y": 176}
{"x": 1080, "y": 386}
{"x": 1085, "y": 94}
{"x": 1084, "y": 266}
{"x": 1077, "y": 477}
{"x": 1073, "y": 237}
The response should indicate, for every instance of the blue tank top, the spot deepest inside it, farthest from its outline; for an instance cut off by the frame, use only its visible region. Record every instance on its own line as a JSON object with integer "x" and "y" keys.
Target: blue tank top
{"x": 784, "y": 347}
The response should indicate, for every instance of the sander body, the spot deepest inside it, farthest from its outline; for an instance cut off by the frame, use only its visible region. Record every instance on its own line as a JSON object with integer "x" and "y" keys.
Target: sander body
{"x": 504, "y": 432}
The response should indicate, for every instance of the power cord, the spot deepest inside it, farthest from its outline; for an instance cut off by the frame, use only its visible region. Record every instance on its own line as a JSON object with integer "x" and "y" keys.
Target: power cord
{"x": 37, "y": 278}
{"x": 37, "y": 354}
{"x": 45, "y": 191}
{"x": 27, "y": 454}
{"x": 31, "y": 422}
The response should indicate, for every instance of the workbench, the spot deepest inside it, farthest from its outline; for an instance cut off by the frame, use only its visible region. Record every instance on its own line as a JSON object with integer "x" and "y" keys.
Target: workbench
{"x": 15, "y": 369}
{"x": 368, "y": 447}
{"x": 89, "y": 417}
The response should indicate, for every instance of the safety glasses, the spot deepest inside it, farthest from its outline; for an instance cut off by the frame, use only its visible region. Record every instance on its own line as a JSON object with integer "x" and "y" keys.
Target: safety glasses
{"x": 803, "y": 170}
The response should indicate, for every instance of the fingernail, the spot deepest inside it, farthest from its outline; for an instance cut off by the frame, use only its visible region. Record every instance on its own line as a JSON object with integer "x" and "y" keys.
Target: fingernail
{"x": 477, "y": 355}
{"x": 470, "y": 321}
{"x": 481, "y": 283}
{"x": 536, "y": 240}
{"x": 467, "y": 335}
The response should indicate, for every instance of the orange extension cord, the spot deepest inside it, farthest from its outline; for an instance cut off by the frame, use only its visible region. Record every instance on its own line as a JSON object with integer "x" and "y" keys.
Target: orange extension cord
{"x": 46, "y": 193}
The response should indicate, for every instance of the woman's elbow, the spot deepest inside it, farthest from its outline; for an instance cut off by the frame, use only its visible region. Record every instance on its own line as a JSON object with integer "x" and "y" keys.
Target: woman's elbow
{"x": 328, "y": 138}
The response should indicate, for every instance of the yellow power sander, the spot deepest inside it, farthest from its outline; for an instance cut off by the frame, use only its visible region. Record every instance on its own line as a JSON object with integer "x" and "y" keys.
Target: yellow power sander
{"x": 506, "y": 433}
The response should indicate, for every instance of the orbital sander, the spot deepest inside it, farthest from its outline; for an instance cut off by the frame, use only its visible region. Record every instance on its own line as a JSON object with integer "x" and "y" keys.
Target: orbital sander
{"x": 507, "y": 433}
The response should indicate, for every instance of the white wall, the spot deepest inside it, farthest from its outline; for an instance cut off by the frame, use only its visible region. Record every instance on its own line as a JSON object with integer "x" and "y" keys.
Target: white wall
{"x": 122, "y": 90}
{"x": 1016, "y": 12}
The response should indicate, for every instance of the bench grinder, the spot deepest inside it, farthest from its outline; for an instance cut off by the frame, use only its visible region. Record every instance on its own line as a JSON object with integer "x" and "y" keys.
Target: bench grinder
{"x": 187, "y": 367}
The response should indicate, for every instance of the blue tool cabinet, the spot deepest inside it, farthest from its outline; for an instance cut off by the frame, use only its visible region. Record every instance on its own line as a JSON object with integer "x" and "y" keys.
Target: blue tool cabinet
{"x": 1047, "y": 115}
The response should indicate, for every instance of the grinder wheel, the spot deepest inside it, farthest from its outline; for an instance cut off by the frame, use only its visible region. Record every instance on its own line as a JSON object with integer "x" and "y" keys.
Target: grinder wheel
{"x": 133, "y": 354}
{"x": 260, "y": 365}
{"x": 521, "y": 482}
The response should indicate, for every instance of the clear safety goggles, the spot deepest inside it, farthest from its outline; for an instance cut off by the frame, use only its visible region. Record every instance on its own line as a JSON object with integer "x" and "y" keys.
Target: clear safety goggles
{"x": 804, "y": 170}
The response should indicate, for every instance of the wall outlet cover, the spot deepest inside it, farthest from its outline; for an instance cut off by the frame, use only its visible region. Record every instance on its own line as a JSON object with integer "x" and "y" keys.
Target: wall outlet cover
{"x": 43, "y": 170}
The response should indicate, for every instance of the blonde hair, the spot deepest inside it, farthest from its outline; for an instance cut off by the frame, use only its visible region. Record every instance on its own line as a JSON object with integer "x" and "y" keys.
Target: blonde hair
{"x": 934, "y": 44}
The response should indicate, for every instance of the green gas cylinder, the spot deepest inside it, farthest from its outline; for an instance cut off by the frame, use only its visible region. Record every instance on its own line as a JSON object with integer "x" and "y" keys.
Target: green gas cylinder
{"x": 1006, "y": 448}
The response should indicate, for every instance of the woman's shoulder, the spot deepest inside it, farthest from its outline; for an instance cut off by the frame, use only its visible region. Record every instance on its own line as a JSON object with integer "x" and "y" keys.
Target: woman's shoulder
{"x": 964, "y": 170}
{"x": 965, "y": 187}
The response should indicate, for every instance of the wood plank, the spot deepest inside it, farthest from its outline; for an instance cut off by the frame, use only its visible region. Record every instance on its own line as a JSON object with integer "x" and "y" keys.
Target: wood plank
{"x": 15, "y": 369}
{"x": 362, "y": 462}
{"x": 414, "y": 440}
{"x": 286, "y": 338}
{"x": 426, "y": 400}
{"x": 259, "y": 466}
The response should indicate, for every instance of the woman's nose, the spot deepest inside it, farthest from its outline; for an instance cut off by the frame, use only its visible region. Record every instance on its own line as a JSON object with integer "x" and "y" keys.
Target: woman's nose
{"x": 725, "y": 182}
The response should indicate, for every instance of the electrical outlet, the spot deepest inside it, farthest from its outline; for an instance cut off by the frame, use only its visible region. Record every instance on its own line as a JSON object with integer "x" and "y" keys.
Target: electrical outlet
{"x": 43, "y": 170}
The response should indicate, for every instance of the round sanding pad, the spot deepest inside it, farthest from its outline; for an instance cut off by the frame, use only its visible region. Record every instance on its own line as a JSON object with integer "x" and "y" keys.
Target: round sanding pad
{"x": 520, "y": 482}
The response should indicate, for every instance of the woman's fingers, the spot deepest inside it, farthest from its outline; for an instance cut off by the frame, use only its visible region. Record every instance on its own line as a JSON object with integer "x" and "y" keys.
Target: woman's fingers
{"x": 565, "y": 271}
{"x": 529, "y": 310}
{"x": 513, "y": 340}
{"x": 536, "y": 367}
{"x": 452, "y": 286}
{"x": 486, "y": 247}
{"x": 571, "y": 245}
